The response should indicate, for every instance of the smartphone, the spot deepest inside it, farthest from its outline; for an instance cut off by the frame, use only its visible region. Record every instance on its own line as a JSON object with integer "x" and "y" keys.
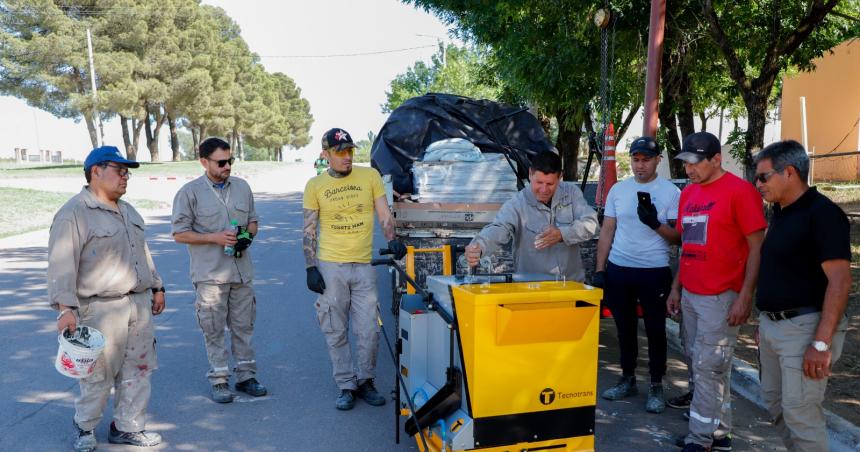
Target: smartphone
{"x": 644, "y": 197}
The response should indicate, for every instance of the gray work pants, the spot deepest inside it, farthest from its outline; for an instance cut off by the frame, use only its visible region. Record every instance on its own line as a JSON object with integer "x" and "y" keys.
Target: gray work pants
{"x": 125, "y": 365}
{"x": 793, "y": 400}
{"x": 232, "y": 306}
{"x": 349, "y": 300}
{"x": 711, "y": 344}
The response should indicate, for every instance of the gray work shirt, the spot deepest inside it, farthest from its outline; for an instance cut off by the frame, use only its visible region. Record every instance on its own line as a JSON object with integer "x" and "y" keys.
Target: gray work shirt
{"x": 523, "y": 217}
{"x": 97, "y": 251}
{"x": 203, "y": 207}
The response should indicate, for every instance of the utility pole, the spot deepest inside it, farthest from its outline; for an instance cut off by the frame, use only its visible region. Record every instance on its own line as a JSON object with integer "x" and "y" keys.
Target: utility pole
{"x": 656, "y": 28}
{"x": 101, "y": 138}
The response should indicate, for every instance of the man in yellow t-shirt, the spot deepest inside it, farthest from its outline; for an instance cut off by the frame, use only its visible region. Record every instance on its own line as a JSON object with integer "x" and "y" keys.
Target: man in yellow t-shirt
{"x": 340, "y": 204}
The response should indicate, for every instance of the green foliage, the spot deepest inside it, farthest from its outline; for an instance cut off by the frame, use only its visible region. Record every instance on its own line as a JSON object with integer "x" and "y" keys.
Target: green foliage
{"x": 452, "y": 70}
{"x": 362, "y": 148}
{"x": 156, "y": 60}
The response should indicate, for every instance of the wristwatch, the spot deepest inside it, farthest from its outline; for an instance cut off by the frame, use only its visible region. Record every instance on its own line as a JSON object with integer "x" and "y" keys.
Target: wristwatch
{"x": 821, "y": 346}
{"x": 155, "y": 290}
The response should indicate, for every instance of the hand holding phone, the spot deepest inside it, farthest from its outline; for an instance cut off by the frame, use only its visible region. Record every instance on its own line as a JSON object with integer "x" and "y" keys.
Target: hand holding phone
{"x": 646, "y": 210}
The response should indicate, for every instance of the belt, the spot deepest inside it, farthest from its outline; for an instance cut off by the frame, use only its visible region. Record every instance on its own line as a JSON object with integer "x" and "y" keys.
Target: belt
{"x": 790, "y": 313}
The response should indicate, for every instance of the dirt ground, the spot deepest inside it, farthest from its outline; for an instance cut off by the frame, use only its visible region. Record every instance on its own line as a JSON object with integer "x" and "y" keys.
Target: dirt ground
{"x": 843, "y": 391}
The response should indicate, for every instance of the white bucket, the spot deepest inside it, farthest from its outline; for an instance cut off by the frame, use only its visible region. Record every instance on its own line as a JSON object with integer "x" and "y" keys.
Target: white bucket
{"x": 78, "y": 360}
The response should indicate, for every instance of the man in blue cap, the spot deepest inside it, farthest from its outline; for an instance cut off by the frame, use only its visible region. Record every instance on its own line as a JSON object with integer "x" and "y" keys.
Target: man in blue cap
{"x": 633, "y": 266}
{"x": 101, "y": 274}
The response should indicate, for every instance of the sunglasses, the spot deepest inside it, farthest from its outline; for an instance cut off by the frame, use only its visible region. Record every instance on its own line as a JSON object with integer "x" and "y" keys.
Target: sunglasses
{"x": 223, "y": 163}
{"x": 120, "y": 170}
{"x": 764, "y": 177}
{"x": 342, "y": 151}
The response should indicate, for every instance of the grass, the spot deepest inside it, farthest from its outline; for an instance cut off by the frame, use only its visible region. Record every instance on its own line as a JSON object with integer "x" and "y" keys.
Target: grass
{"x": 40, "y": 207}
{"x": 190, "y": 168}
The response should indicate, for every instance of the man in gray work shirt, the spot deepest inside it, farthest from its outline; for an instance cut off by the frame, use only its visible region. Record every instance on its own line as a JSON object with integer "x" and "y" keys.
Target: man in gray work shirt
{"x": 546, "y": 220}
{"x": 206, "y": 214}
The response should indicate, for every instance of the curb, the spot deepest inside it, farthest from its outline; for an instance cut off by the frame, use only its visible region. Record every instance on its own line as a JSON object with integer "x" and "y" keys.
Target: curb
{"x": 843, "y": 435}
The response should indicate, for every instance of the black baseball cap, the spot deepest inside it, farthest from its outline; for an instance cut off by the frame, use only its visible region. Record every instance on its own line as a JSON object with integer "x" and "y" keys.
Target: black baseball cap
{"x": 645, "y": 145}
{"x": 338, "y": 139}
{"x": 699, "y": 146}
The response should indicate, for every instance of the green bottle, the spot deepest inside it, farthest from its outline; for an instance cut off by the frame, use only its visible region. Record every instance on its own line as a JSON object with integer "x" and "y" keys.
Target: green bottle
{"x": 228, "y": 249}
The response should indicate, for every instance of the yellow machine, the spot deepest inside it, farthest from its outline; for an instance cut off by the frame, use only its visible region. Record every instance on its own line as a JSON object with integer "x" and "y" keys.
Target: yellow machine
{"x": 499, "y": 363}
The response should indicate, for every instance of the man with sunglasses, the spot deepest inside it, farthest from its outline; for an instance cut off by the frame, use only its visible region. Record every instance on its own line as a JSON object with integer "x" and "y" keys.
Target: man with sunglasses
{"x": 101, "y": 274}
{"x": 803, "y": 290}
{"x": 721, "y": 221}
{"x": 340, "y": 203}
{"x": 206, "y": 213}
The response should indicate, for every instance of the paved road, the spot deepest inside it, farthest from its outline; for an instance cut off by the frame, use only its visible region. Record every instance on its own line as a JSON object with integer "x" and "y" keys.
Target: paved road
{"x": 298, "y": 415}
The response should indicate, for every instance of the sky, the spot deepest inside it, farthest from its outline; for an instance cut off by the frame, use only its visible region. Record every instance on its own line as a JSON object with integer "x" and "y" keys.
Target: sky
{"x": 298, "y": 38}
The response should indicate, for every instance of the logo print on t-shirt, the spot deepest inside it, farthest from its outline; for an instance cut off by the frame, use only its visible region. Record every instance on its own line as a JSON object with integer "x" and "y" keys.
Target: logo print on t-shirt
{"x": 695, "y": 229}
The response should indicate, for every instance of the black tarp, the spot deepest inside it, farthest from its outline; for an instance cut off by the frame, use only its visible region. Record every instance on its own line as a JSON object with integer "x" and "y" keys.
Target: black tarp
{"x": 420, "y": 121}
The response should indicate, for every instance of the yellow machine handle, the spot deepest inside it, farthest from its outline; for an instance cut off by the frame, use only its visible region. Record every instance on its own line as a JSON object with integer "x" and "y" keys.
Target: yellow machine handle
{"x": 410, "y": 261}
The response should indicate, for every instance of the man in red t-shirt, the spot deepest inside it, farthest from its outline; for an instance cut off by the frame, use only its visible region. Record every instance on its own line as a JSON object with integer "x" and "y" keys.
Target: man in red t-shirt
{"x": 721, "y": 221}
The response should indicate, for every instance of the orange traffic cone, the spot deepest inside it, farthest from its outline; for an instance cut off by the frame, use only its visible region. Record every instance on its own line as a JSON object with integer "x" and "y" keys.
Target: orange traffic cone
{"x": 608, "y": 174}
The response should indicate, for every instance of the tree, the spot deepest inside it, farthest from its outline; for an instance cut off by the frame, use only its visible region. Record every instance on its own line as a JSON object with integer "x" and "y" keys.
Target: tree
{"x": 760, "y": 40}
{"x": 452, "y": 70}
{"x": 547, "y": 54}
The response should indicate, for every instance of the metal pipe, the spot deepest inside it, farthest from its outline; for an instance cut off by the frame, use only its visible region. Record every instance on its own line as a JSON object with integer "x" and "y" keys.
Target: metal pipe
{"x": 655, "y": 55}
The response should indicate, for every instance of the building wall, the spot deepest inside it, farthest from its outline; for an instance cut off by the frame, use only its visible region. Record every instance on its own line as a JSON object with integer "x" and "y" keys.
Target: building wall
{"x": 832, "y": 94}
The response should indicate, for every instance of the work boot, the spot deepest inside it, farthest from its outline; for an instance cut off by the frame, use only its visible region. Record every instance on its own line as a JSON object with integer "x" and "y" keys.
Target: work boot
{"x": 86, "y": 440}
{"x": 626, "y": 387}
{"x": 221, "y": 393}
{"x": 656, "y": 403}
{"x": 681, "y": 402}
{"x": 346, "y": 400}
{"x": 723, "y": 444}
{"x": 369, "y": 394}
{"x": 141, "y": 438}
{"x": 251, "y": 387}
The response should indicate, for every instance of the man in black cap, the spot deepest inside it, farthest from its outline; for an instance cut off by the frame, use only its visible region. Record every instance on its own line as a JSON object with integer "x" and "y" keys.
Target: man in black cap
{"x": 633, "y": 264}
{"x": 101, "y": 274}
{"x": 721, "y": 221}
{"x": 802, "y": 294}
{"x": 340, "y": 203}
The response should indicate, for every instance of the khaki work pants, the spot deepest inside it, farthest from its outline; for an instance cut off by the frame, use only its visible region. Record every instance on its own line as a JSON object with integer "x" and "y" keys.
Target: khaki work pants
{"x": 349, "y": 300}
{"x": 711, "y": 344}
{"x": 793, "y": 400}
{"x": 233, "y": 306}
{"x": 125, "y": 365}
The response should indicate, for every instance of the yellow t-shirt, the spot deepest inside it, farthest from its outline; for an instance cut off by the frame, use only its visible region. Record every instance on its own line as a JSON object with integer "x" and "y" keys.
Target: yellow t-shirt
{"x": 346, "y": 213}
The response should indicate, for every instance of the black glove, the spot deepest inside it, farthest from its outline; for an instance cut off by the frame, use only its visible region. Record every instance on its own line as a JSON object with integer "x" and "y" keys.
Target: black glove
{"x": 398, "y": 249}
{"x": 598, "y": 279}
{"x": 648, "y": 215}
{"x": 315, "y": 280}
{"x": 243, "y": 240}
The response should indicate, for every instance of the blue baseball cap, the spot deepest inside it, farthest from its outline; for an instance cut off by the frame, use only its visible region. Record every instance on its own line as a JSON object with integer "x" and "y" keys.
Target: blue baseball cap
{"x": 107, "y": 154}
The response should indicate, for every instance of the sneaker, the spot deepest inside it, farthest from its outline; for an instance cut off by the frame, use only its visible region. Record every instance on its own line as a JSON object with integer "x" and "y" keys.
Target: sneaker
{"x": 626, "y": 387}
{"x": 681, "y": 402}
{"x": 141, "y": 438}
{"x": 221, "y": 393}
{"x": 346, "y": 400}
{"x": 656, "y": 403}
{"x": 251, "y": 387}
{"x": 369, "y": 394}
{"x": 722, "y": 444}
{"x": 86, "y": 440}
{"x": 693, "y": 447}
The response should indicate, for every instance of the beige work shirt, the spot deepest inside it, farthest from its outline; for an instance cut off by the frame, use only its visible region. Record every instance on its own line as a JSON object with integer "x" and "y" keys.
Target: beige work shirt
{"x": 95, "y": 250}
{"x": 522, "y": 218}
{"x": 202, "y": 207}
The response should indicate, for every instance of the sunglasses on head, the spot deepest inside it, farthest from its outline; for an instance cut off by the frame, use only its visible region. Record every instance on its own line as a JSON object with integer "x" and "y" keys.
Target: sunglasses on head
{"x": 223, "y": 163}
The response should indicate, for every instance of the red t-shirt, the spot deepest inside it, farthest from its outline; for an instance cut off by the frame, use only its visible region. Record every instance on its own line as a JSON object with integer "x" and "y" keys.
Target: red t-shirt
{"x": 714, "y": 220}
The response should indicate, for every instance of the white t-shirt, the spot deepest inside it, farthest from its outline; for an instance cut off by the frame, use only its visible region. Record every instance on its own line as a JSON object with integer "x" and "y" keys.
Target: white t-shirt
{"x": 635, "y": 244}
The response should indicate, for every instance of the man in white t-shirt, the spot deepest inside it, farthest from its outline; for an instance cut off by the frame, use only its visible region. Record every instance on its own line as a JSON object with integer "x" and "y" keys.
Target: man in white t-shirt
{"x": 633, "y": 264}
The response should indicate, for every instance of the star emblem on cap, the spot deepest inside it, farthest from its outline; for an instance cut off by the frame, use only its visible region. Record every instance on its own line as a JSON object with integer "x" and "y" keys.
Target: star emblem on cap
{"x": 341, "y": 135}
